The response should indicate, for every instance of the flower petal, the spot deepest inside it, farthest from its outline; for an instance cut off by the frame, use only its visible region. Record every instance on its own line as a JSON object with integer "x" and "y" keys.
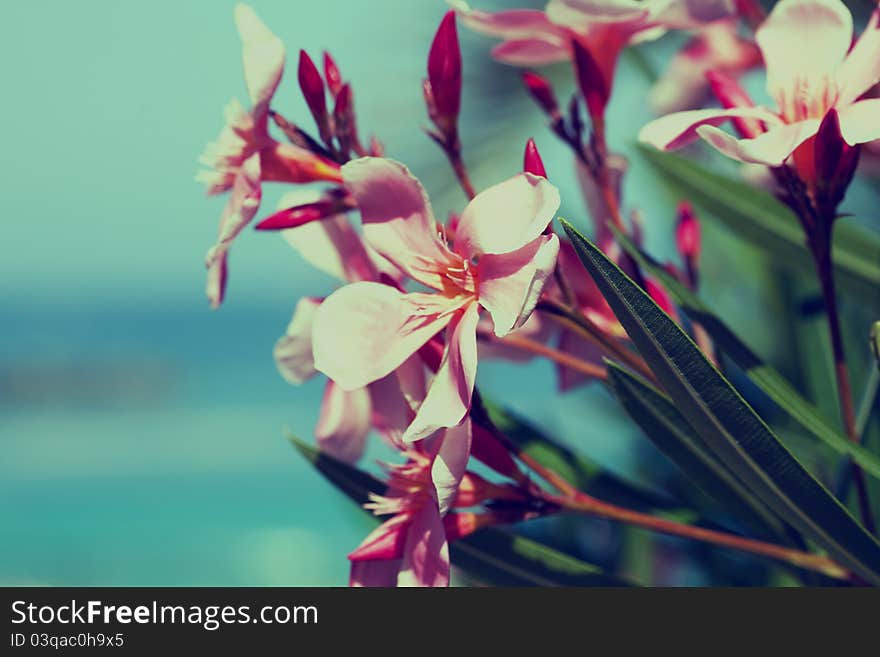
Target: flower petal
{"x": 581, "y": 13}
{"x": 385, "y": 542}
{"x": 511, "y": 283}
{"x": 510, "y": 24}
{"x": 506, "y": 216}
{"x": 860, "y": 122}
{"x": 530, "y": 52}
{"x": 450, "y": 463}
{"x": 803, "y": 42}
{"x": 331, "y": 245}
{"x": 344, "y": 423}
{"x": 293, "y": 350}
{"x": 680, "y": 129}
{"x": 397, "y": 217}
{"x": 244, "y": 201}
{"x": 426, "y": 553}
{"x": 861, "y": 69}
{"x": 770, "y": 148}
{"x": 364, "y": 331}
{"x": 263, "y": 56}
{"x": 449, "y": 397}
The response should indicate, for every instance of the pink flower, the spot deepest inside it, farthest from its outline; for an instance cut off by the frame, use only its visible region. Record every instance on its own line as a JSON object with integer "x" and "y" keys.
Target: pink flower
{"x": 601, "y": 27}
{"x": 499, "y": 261}
{"x": 245, "y": 155}
{"x": 810, "y": 71}
{"x": 715, "y": 47}
{"x": 347, "y": 416}
{"x": 411, "y": 547}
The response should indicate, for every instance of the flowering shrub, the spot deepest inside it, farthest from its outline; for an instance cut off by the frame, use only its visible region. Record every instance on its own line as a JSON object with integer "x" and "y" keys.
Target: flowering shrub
{"x": 421, "y": 302}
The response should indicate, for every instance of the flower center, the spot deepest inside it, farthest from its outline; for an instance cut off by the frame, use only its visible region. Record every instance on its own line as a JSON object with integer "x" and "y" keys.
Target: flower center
{"x": 807, "y": 98}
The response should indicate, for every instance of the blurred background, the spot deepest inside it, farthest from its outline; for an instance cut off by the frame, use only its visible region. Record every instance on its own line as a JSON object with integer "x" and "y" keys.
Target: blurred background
{"x": 143, "y": 435}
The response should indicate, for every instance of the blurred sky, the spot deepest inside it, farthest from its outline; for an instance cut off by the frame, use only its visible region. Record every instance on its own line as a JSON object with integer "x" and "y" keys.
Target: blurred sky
{"x": 142, "y": 434}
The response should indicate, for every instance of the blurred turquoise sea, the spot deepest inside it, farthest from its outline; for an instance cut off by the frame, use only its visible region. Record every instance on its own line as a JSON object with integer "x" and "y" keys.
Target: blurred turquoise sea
{"x": 142, "y": 435}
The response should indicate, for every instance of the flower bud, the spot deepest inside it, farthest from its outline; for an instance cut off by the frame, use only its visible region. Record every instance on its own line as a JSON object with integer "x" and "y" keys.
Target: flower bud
{"x": 332, "y": 75}
{"x": 312, "y": 87}
{"x": 474, "y": 490}
{"x": 730, "y": 94}
{"x": 833, "y": 159}
{"x": 687, "y": 232}
{"x": 532, "y": 160}
{"x": 591, "y": 81}
{"x": 487, "y": 449}
{"x": 542, "y": 91}
{"x": 335, "y": 202}
{"x": 444, "y": 74}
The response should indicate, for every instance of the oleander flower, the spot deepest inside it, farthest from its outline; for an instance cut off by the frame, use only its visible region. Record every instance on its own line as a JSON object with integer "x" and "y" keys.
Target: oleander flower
{"x": 499, "y": 261}
{"x": 346, "y": 418}
{"x": 716, "y": 47}
{"x": 599, "y": 28}
{"x": 811, "y": 70}
{"x": 410, "y": 549}
{"x": 245, "y": 155}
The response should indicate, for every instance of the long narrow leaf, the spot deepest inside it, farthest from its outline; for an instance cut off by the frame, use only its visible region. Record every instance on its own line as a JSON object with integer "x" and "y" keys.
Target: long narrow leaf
{"x": 731, "y": 428}
{"x": 766, "y": 377}
{"x": 670, "y": 432}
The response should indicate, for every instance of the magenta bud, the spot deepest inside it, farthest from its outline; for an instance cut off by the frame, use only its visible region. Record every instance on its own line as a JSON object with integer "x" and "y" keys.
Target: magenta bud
{"x": 730, "y": 94}
{"x": 312, "y": 87}
{"x": 343, "y": 108}
{"x": 332, "y": 75}
{"x": 834, "y": 160}
{"x": 489, "y": 450}
{"x": 591, "y": 81}
{"x": 687, "y": 233}
{"x": 299, "y": 215}
{"x": 532, "y": 160}
{"x": 444, "y": 73}
{"x": 542, "y": 91}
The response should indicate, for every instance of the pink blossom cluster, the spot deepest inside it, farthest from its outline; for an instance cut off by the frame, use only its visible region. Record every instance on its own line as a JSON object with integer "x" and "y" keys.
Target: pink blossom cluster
{"x": 421, "y": 301}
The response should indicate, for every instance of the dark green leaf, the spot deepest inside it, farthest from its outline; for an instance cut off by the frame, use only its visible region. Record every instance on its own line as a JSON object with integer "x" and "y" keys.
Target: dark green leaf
{"x": 494, "y": 555}
{"x": 655, "y": 413}
{"x": 762, "y": 374}
{"x": 728, "y": 425}
{"x": 756, "y": 216}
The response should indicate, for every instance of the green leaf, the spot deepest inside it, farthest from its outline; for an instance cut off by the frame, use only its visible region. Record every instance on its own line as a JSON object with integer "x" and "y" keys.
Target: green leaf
{"x": 655, "y": 413}
{"x": 728, "y": 425}
{"x": 756, "y": 216}
{"x": 763, "y": 375}
{"x": 574, "y": 468}
{"x": 491, "y": 554}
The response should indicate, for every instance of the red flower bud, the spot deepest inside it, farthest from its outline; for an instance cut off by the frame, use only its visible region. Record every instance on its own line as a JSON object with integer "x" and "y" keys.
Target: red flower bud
{"x": 591, "y": 80}
{"x": 312, "y": 87}
{"x": 474, "y": 490}
{"x": 542, "y": 91}
{"x": 730, "y": 94}
{"x": 834, "y": 160}
{"x": 532, "y": 160}
{"x": 332, "y": 75}
{"x": 299, "y": 215}
{"x": 687, "y": 233}
{"x": 444, "y": 73}
{"x": 487, "y": 449}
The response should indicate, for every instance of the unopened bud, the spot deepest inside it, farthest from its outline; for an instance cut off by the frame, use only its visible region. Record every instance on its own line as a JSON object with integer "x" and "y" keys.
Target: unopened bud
{"x": 444, "y": 74}
{"x": 542, "y": 91}
{"x": 730, "y": 94}
{"x": 532, "y": 160}
{"x": 591, "y": 81}
{"x": 335, "y": 203}
{"x": 332, "y": 75}
{"x": 474, "y": 490}
{"x": 312, "y": 87}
